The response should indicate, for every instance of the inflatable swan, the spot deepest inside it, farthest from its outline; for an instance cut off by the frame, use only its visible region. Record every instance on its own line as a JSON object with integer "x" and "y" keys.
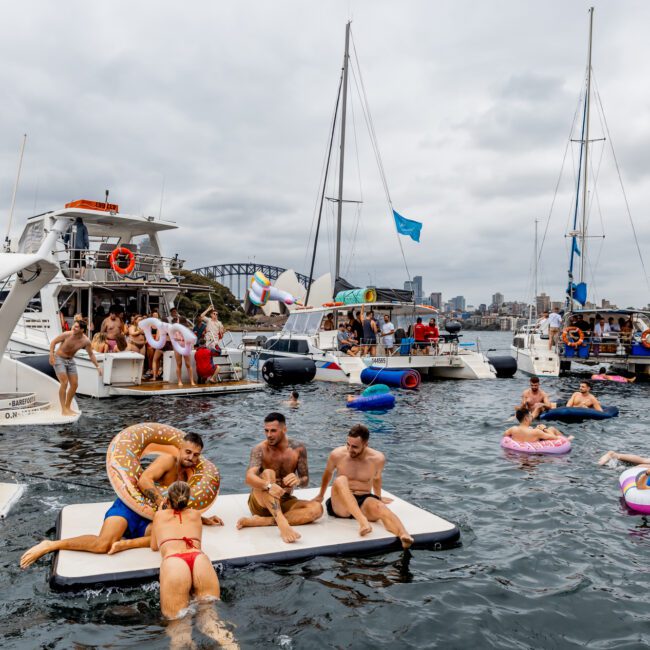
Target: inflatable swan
{"x": 261, "y": 291}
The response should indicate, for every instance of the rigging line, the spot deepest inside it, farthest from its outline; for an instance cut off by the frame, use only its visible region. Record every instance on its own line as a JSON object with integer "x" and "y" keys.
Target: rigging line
{"x": 620, "y": 180}
{"x": 322, "y": 196}
{"x": 559, "y": 179}
{"x": 12, "y": 470}
{"x": 375, "y": 145}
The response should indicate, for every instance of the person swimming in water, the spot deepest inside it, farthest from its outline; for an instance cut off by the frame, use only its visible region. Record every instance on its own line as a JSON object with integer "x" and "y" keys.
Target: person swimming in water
{"x": 524, "y": 432}
{"x": 535, "y": 399}
{"x": 186, "y": 571}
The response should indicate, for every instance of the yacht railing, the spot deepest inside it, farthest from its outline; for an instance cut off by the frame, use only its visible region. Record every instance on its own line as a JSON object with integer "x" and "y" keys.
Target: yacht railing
{"x": 148, "y": 267}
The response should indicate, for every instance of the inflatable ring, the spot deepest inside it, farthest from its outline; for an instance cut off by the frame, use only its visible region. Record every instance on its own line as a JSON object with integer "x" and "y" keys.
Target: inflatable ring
{"x": 567, "y": 336}
{"x": 645, "y": 339}
{"x": 146, "y": 325}
{"x": 559, "y": 446}
{"x": 124, "y": 467}
{"x": 637, "y": 499}
{"x": 112, "y": 260}
{"x": 189, "y": 339}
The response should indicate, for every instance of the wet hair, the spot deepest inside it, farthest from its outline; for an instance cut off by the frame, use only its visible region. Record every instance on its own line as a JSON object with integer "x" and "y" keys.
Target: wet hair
{"x": 602, "y": 370}
{"x": 359, "y": 431}
{"x": 193, "y": 439}
{"x": 274, "y": 416}
{"x": 521, "y": 414}
{"x": 534, "y": 379}
{"x": 179, "y": 495}
{"x": 294, "y": 394}
{"x": 587, "y": 383}
{"x": 82, "y": 325}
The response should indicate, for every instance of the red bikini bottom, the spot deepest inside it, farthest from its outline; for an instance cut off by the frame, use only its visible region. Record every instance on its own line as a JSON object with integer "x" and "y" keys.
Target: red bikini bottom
{"x": 188, "y": 558}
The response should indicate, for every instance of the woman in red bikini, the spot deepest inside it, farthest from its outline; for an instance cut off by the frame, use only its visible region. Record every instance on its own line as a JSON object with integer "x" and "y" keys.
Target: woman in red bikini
{"x": 185, "y": 569}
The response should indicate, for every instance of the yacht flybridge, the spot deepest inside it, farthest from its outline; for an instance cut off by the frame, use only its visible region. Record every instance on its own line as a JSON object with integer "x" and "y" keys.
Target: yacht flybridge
{"x": 122, "y": 265}
{"x": 303, "y": 336}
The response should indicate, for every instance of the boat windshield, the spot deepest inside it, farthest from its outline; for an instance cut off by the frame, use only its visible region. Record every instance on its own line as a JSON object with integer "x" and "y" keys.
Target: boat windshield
{"x": 30, "y": 240}
{"x": 303, "y": 323}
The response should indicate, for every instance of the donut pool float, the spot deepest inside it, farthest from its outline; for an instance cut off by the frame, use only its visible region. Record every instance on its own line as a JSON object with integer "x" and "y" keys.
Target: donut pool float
{"x": 636, "y": 499}
{"x": 559, "y": 446}
{"x": 124, "y": 467}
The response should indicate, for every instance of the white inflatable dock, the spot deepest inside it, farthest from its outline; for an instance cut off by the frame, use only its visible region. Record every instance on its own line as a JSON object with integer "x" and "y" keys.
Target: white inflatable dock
{"x": 9, "y": 495}
{"x": 227, "y": 546}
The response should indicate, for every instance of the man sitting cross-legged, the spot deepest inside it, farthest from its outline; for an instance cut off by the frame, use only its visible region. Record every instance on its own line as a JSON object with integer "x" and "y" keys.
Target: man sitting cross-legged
{"x": 278, "y": 465}
{"x": 356, "y": 491}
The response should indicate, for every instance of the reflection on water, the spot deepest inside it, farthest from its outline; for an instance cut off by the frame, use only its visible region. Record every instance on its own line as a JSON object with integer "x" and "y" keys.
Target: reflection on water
{"x": 550, "y": 555}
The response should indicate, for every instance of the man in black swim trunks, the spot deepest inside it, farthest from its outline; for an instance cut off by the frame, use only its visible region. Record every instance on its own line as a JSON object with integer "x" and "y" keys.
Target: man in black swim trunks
{"x": 356, "y": 491}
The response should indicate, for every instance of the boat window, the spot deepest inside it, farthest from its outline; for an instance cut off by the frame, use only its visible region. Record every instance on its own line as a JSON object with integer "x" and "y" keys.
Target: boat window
{"x": 299, "y": 346}
{"x": 303, "y": 323}
{"x": 31, "y": 238}
{"x": 146, "y": 245}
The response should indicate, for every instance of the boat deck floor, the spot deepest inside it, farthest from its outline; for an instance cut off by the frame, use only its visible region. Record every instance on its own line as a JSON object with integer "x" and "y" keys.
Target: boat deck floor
{"x": 172, "y": 388}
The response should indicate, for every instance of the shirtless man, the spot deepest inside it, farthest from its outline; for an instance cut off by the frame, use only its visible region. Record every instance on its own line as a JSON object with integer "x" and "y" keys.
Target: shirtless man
{"x": 535, "y": 399}
{"x": 64, "y": 364}
{"x": 356, "y": 491}
{"x": 584, "y": 399}
{"x": 524, "y": 432}
{"x": 112, "y": 326}
{"x": 278, "y": 465}
{"x": 123, "y": 528}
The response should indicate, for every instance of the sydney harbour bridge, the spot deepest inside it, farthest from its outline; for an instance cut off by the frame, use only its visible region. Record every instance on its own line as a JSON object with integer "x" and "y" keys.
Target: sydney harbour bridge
{"x": 237, "y": 276}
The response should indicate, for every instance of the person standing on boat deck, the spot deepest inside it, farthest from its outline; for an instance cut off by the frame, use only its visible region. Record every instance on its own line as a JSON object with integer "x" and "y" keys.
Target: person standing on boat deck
{"x": 112, "y": 326}
{"x": 356, "y": 491}
{"x": 554, "y": 326}
{"x": 277, "y": 466}
{"x": 433, "y": 333}
{"x": 535, "y": 399}
{"x": 178, "y": 337}
{"x": 357, "y": 327}
{"x": 584, "y": 399}
{"x": 542, "y": 324}
{"x": 64, "y": 364}
{"x": 388, "y": 335}
{"x": 214, "y": 329}
{"x": 420, "y": 332}
{"x": 369, "y": 333}
{"x": 77, "y": 240}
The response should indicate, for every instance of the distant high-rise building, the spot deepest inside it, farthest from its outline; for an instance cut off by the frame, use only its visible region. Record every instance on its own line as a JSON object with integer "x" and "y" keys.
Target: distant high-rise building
{"x": 436, "y": 300}
{"x": 417, "y": 288}
{"x": 497, "y": 301}
{"x": 457, "y": 303}
{"x": 542, "y": 303}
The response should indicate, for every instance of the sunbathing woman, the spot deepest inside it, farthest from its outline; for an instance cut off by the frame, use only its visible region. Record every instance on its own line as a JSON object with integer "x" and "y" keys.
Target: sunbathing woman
{"x": 185, "y": 570}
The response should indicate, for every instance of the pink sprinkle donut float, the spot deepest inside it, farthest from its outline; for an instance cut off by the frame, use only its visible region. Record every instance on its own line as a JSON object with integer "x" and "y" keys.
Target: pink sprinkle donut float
{"x": 636, "y": 499}
{"x": 617, "y": 378}
{"x": 124, "y": 468}
{"x": 560, "y": 446}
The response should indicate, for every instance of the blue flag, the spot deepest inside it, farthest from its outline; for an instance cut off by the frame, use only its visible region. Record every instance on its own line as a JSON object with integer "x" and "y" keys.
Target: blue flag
{"x": 407, "y": 226}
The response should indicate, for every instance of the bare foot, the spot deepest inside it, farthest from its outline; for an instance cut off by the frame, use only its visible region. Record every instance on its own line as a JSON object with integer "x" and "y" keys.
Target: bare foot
{"x": 30, "y": 556}
{"x": 116, "y": 547}
{"x": 193, "y": 385}
{"x": 364, "y": 529}
{"x": 254, "y": 522}
{"x": 406, "y": 540}
{"x": 180, "y": 383}
{"x": 605, "y": 458}
{"x": 67, "y": 412}
{"x": 288, "y": 534}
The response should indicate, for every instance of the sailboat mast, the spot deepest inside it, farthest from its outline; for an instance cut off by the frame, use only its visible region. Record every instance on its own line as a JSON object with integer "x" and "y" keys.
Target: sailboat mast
{"x": 346, "y": 59}
{"x": 535, "y": 268}
{"x": 585, "y": 193}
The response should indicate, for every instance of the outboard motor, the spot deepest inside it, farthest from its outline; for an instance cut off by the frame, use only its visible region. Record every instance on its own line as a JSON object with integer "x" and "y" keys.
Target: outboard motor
{"x": 281, "y": 371}
{"x": 505, "y": 367}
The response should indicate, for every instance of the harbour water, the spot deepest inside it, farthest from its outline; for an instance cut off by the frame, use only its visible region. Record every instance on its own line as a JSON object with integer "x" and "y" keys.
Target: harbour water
{"x": 550, "y": 558}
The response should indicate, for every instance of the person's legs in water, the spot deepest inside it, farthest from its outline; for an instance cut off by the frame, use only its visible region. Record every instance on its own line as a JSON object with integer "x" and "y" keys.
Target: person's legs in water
{"x": 626, "y": 458}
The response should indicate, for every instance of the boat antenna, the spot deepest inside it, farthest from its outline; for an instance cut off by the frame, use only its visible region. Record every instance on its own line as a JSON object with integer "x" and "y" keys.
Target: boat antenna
{"x": 322, "y": 196}
{"x": 7, "y": 246}
{"x": 339, "y": 215}
{"x": 162, "y": 194}
{"x": 106, "y": 199}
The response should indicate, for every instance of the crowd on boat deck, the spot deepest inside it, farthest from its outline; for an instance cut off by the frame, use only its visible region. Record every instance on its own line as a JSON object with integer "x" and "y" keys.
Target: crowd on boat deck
{"x": 362, "y": 332}
{"x": 119, "y": 331}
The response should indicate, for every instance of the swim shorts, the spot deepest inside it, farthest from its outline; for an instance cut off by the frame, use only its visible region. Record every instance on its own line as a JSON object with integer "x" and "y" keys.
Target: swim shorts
{"x": 361, "y": 498}
{"x": 136, "y": 525}
{"x": 63, "y": 366}
{"x": 287, "y": 502}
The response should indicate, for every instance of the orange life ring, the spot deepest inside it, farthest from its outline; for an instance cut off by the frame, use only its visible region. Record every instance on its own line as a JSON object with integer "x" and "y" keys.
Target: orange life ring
{"x": 645, "y": 339}
{"x": 571, "y": 342}
{"x": 333, "y": 304}
{"x": 112, "y": 260}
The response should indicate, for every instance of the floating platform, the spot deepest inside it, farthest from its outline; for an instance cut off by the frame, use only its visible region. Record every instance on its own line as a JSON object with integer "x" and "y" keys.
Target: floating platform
{"x": 150, "y": 388}
{"x": 227, "y": 546}
{"x": 9, "y": 495}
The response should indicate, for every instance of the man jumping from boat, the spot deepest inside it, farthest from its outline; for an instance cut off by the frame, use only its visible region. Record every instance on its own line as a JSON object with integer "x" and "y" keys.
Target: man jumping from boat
{"x": 535, "y": 399}
{"x": 525, "y": 432}
{"x": 65, "y": 367}
{"x": 584, "y": 399}
{"x": 356, "y": 491}
{"x": 277, "y": 466}
{"x": 123, "y": 528}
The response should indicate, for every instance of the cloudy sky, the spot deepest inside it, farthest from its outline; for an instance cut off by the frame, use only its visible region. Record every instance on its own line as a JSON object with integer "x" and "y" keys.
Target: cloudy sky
{"x": 229, "y": 105}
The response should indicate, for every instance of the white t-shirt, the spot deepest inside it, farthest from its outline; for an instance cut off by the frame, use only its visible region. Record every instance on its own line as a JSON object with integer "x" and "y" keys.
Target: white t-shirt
{"x": 554, "y": 320}
{"x": 387, "y": 331}
{"x": 542, "y": 324}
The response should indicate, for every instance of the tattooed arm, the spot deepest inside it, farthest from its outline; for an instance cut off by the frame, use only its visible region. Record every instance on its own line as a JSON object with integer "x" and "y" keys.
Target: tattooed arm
{"x": 153, "y": 473}
{"x": 253, "y": 478}
{"x": 302, "y": 469}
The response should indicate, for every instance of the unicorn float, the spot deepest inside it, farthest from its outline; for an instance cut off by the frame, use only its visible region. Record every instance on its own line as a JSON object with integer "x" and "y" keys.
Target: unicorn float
{"x": 261, "y": 291}
{"x": 175, "y": 332}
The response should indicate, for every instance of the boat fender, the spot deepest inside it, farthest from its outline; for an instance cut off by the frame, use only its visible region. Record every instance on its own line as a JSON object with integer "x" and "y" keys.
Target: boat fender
{"x": 505, "y": 366}
{"x": 280, "y": 371}
{"x": 124, "y": 467}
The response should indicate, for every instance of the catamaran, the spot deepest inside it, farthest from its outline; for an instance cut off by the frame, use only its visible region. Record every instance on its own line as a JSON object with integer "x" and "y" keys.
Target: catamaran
{"x": 616, "y": 338}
